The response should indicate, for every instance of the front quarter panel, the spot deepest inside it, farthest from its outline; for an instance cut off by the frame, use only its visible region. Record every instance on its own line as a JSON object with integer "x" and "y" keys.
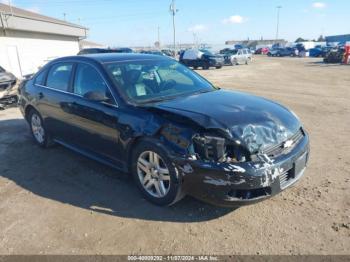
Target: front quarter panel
{"x": 139, "y": 123}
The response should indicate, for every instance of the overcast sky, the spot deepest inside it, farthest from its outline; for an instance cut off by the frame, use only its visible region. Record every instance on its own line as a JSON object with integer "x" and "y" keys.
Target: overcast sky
{"x": 135, "y": 22}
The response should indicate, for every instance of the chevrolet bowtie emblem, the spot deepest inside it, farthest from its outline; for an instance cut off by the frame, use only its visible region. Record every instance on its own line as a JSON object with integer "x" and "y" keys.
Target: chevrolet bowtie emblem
{"x": 288, "y": 144}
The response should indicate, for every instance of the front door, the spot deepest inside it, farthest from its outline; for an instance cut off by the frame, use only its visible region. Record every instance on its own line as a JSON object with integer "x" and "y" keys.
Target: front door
{"x": 95, "y": 124}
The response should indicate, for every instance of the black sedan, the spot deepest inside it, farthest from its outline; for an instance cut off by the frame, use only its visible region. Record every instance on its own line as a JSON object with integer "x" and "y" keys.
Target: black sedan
{"x": 201, "y": 58}
{"x": 170, "y": 128}
{"x": 281, "y": 52}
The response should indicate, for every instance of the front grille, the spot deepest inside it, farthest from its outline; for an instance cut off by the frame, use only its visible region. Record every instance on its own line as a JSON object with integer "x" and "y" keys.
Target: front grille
{"x": 279, "y": 149}
{"x": 250, "y": 193}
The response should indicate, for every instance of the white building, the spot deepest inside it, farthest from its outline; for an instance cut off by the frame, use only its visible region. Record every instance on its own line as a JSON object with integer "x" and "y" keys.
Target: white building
{"x": 29, "y": 40}
{"x": 88, "y": 44}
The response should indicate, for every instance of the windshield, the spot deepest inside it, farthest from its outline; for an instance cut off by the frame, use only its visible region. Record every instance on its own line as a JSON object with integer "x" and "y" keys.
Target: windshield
{"x": 2, "y": 70}
{"x": 155, "y": 80}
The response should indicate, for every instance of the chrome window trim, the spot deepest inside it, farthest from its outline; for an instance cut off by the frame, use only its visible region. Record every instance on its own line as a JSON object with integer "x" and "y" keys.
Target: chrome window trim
{"x": 74, "y": 94}
{"x": 134, "y": 60}
{"x": 58, "y": 90}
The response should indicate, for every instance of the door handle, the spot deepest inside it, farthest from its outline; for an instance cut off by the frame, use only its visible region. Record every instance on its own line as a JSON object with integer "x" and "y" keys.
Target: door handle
{"x": 41, "y": 95}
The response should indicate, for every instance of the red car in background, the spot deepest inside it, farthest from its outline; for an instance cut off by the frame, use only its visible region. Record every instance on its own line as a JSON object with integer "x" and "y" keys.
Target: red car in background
{"x": 262, "y": 51}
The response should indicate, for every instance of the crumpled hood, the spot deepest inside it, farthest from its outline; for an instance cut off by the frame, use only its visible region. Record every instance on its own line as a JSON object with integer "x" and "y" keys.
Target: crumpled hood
{"x": 255, "y": 122}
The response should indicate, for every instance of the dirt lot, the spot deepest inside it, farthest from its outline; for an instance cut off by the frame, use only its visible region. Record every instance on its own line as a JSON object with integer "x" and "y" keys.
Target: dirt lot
{"x": 57, "y": 202}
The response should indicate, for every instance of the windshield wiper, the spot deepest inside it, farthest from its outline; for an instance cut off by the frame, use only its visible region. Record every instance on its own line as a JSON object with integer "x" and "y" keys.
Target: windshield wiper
{"x": 158, "y": 99}
{"x": 164, "y": 98}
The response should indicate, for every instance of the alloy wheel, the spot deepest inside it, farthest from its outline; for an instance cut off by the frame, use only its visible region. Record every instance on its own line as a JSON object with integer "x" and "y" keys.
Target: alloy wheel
{"x": 153, "y": 174}
{"x": 37, "y": 128}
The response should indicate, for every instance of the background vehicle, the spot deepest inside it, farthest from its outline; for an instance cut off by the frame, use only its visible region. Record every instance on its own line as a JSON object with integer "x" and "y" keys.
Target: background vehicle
{"x": 316, "y": 51}
{"x": 6, "y": 79}
{"x": 227, "y": 53}
{"x": 319, "y": 51}
{"x": 262, "y": 51}
{"x": 152, "y": 52}
{"x": 201, "y": 58}
{"x": 242, "y": 56}
{"x": 280, "y": 52}
{"x": 168, "y": 52}
{"x": 335, "y": 55}
{"x": 8, "y": 89}
{"x": 170, "y": 128}
{"x": 104, "y": 50}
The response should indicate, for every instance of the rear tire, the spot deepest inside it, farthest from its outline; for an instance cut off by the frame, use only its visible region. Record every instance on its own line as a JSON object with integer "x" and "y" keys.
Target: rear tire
{"x": 39, "y": 132}
{"x": 155, "y": 175}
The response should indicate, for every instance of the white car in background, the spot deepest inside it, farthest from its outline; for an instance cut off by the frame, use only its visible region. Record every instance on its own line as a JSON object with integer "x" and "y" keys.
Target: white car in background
{"x": 242, "y": 56}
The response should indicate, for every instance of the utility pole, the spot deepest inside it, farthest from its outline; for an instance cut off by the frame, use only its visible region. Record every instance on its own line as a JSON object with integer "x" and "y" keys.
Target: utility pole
{"x": 278, "y": 21}
{"x": 11, "y": 10}
{"x": 64, "y": 16}
{"x": 194, "y": 39}
{"x": 173, "y": 12}
{"x": 159, "y": 36}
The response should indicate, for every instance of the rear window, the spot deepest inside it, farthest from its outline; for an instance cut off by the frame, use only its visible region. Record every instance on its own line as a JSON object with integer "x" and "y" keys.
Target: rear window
{"x": 59, "y": 76}
{"x": 40, "y": 78}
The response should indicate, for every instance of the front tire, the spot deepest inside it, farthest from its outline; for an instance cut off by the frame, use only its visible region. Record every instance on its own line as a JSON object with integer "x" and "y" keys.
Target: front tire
{"x": 155, "y": 174}
{"x": 38, "y": 130}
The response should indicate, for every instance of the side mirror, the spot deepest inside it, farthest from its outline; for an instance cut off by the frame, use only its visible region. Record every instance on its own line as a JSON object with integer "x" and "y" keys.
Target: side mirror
{"x": 96, "y": 96}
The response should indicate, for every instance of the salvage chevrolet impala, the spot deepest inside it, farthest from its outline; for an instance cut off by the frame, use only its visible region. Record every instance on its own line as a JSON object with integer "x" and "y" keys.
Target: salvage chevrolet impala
{"x": 170, "y": 128}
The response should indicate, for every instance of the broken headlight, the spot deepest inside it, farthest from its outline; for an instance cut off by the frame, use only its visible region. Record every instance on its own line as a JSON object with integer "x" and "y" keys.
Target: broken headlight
{"x": 217, "y": 149}
{"x": 209, "y": 147}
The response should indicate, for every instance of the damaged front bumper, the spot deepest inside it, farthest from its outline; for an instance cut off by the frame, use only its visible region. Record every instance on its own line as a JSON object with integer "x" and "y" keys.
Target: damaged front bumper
{"x": 238, "y": 184}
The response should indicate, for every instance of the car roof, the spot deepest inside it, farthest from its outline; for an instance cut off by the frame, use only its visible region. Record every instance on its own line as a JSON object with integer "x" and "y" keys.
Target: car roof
{"x": 114, "y": 57}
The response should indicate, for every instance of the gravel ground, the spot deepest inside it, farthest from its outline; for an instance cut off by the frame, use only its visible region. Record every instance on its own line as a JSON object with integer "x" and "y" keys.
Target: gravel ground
{"x": 57, "y": 202}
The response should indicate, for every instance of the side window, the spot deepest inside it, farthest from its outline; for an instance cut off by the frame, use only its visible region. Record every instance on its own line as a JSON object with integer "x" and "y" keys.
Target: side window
{"x": 59, "y": 76}
{"x": 40, "y": 78}
{"x": 87, "y": 79}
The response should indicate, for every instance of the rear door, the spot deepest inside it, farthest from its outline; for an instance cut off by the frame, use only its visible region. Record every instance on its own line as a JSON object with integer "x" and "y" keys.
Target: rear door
{"x": 53, "y": 97}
